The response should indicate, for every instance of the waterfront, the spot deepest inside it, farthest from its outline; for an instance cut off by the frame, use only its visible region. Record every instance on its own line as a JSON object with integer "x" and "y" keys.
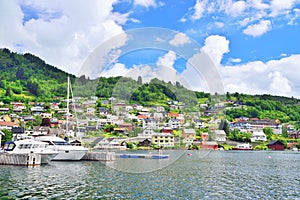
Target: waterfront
{"x": 217, "y": 175}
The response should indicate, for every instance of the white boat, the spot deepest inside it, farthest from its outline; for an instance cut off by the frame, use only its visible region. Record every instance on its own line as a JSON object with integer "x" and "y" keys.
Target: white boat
{"x": 65, "y": 150}
{"x": 244, "y": 147}
{"x": 27, "y": 146}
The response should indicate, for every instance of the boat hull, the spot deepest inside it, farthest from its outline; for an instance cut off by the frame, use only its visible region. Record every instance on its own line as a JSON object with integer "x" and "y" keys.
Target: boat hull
{"x": 65, "y": 154}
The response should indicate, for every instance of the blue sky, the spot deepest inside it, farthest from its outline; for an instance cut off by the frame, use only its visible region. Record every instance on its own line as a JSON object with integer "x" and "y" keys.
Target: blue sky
{"x": 254, "y": 44}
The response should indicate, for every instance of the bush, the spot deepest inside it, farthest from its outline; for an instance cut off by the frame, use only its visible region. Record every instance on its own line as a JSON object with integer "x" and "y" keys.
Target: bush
{"x": 261, "y": 147}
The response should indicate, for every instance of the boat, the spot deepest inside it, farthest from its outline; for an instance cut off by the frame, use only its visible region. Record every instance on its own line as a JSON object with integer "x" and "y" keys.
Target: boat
{"x": 28, "y": 146}
{"x": 66, "y": 151}
{"x": 244, "y": 146}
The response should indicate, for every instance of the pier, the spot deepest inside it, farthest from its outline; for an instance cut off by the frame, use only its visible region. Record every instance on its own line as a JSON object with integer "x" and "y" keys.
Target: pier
{"x": 30, "y": 159}
{"x": 145, "y": 156}
{"x": 99, "y": 156}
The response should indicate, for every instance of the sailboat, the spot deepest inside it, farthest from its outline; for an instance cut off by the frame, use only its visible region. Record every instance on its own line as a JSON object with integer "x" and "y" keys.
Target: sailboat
{"x": 65, "y": 150}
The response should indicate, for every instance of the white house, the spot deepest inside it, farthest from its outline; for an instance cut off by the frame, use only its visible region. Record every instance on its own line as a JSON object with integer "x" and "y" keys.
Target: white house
{"x": 188, "y": 135}
{"x": 174, "y": 123}
{"x": 199, "y": 123}
{"x": 219, "y": 135}
{"x": 147, "y": 132}
{"x": 150, "y": 123}
{"x": 109, "y": 143}
{"x": 258, "y": 136}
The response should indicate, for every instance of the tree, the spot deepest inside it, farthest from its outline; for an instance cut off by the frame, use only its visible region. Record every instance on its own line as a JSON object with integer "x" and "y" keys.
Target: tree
{"x": 20, "y": 73}
{"x": 268, "y": 131}
{"x": 109, "y": 127}
{"x": 8, "y": 135}
{"x": 284, "y": 132}
{"x": 8, "y": 91}
{"x": 224, "y": 126}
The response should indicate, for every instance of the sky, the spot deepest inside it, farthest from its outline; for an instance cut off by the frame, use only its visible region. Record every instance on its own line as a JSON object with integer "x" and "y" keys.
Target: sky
{"x": 252, "y": 45}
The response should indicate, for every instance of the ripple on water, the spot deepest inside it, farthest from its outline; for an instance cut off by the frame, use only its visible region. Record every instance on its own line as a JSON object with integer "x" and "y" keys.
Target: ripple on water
{"x": 220, "y": 175}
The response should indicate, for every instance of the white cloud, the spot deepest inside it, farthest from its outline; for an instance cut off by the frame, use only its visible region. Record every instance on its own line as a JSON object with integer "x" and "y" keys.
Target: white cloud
{"x": 118, "y": 69}
{"x": 235, "y": 60}
{"x": 199, "y": 9}
{"x": 237, "y": 8}
{"x": 145, "y": 3}
{"x": 180, "y": 39}
{"x": 65, "y": 40}
{"x": 256, "y": 17}
{"x": 258, "y": 29}
{"x": 279, "y": 84}
{"x": 259, "y": 5}
{"x": 216, "y": 46}
{"x": 281, "y": 7}
{"x": 167, "y": 60}
{"x": 277, "y": 77}
{"x": 219, "y": 24}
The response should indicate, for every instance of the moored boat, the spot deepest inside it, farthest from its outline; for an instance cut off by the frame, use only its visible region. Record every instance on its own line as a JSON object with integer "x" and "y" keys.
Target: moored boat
{"x": 65, "y": 150}
{"x": 28, "y": 146}
{"x": 244, "y": 146}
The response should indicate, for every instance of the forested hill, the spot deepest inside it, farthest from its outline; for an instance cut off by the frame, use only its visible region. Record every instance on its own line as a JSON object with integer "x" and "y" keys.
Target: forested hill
{"x": 284, "y": 109}
{"x": 27, "y": 77}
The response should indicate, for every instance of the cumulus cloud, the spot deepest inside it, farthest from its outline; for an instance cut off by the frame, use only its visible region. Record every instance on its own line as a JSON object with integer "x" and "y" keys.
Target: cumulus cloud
{"x": 118, "y": 69}
{"x": 281, "y": 7}
{"x": 258, "y": 4}
{"x": 180, "y": 39}
{"x": 279, "y": 84}
{"x": 216, "y": 46}
{"x": 65, "y": 39}
{"x": 278, "y": 77}
{"x": 237, "y": 8}
{"x": 258, "y": 29}
{"x": 167, "y": 60}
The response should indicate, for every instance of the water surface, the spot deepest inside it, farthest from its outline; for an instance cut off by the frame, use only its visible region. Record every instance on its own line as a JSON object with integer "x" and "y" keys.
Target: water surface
{"x": 218, "y": 175}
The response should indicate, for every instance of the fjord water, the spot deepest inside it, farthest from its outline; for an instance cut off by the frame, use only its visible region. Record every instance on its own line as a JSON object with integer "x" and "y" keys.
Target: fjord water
{"x": 218, "y": 175}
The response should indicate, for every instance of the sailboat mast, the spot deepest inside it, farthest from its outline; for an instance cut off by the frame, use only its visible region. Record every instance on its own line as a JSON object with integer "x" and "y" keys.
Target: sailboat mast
{"x": 68, "y": 98}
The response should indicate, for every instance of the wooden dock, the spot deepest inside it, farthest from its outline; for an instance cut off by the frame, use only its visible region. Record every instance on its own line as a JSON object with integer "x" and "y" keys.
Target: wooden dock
{"x": 99, "y": 156}
{"x": 30, "y": 159}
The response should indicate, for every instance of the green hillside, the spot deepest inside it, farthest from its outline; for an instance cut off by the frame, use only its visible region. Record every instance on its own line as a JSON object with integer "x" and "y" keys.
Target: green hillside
{"x": 265, "y": 106}
{"x": 26, "y": 77}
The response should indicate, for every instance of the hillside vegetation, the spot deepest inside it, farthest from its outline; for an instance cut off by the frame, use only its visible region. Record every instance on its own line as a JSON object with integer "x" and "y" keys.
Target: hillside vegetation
{"x": 25, "y": 77}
